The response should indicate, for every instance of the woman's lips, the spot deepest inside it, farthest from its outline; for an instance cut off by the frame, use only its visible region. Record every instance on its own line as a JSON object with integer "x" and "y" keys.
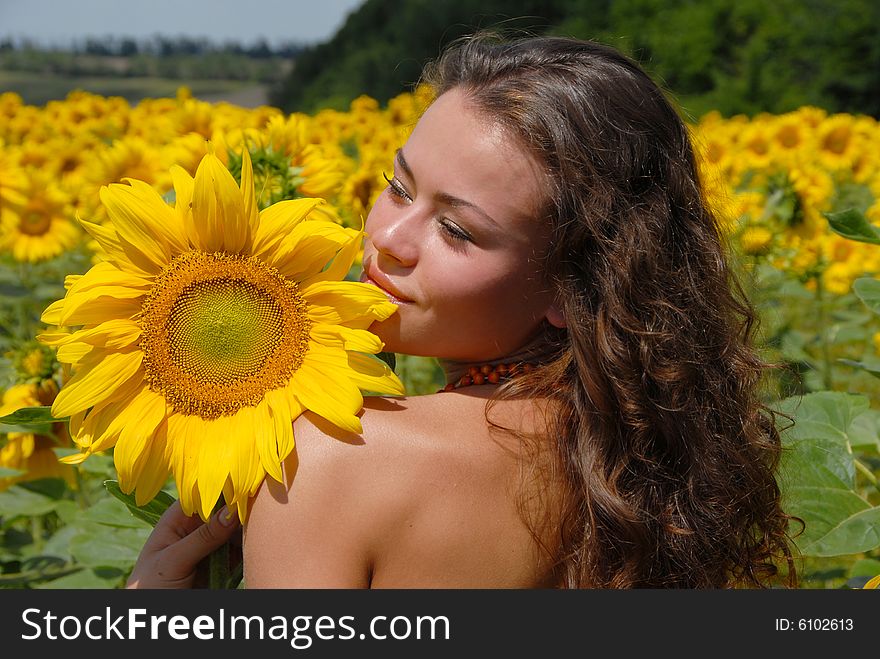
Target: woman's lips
{"x": 371, "y": 276}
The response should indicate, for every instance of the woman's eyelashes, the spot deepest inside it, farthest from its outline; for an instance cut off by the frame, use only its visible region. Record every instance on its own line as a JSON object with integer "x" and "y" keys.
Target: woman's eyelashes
{"x": 395, "y": 188}
{"x": 450, "y": 229}
{"x": 454, "y": 232}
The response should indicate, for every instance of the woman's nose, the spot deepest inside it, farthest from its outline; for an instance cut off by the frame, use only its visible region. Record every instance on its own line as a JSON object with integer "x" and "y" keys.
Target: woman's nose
{"x": 394, "y": 233}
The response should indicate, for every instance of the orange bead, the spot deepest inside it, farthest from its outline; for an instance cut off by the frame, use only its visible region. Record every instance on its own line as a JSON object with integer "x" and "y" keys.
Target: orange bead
{"x": 494, "y": 377}
{"x": 473, "y": 370}
{"x": 485, "y": 369}
{"x": 479, "y": 378}
{"x": 465, "y": 381}
{"x": 449, "y": 387}
{"x": 501, "y": 369}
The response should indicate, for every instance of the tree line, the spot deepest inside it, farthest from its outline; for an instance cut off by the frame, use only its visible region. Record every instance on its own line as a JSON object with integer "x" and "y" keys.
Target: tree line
{"x": 734, "y": 56}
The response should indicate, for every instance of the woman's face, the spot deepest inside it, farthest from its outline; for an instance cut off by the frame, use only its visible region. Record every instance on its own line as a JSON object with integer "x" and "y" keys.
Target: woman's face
{"x": 455, "y": 239}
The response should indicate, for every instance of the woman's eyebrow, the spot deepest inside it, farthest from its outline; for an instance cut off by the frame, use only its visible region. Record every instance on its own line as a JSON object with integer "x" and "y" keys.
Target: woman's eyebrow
{"x": 443, "y": 197}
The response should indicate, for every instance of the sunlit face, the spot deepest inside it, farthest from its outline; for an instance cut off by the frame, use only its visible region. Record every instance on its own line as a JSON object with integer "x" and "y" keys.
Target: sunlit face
{"x": 456, "y": 242}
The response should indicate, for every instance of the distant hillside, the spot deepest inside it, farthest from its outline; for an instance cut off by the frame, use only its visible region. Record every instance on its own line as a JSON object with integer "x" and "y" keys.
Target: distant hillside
{"x": 736, "y": 56}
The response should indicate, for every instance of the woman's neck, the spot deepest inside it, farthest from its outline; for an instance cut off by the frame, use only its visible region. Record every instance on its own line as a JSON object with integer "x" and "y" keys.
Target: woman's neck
{"x": 542, "y": 348}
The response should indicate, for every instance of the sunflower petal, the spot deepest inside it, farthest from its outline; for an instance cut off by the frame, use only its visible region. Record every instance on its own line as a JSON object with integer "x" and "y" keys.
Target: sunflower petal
{"x": 96, "y": 382}
{"x": 121, "y": 253}
{"x": 154, "y": 473}
{"x": 335, "y": 399}
{"x": 216, "y": 455}
{"x": 308, "y": 248}
{"x": 131, "y": 224}
{"x": 346, "y": 338}
{"x": 265, "y": 433}
{"x": 113, "y": 334}
{"x": 278, "y": 220}
{"x": 353, "y": 304}
{"x": 96, "y": 309}
{"x": 218, "y": 209}
{"x": 159, "y": 214}
{"x": 132, "y": 447}
{"x": 341, "y": 264}
{"x": 248, "y": 193}
{"x": 106, "y": 273}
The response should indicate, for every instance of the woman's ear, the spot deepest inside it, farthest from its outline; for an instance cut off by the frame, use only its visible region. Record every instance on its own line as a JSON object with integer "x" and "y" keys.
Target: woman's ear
{"x": 555, "y": 317}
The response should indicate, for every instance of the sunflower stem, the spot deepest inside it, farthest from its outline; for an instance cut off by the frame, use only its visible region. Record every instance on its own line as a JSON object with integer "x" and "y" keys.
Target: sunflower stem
{"x": 218, "y": 568}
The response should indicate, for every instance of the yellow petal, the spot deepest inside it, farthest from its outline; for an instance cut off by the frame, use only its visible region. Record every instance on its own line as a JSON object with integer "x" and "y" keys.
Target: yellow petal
{"x": 113, "y": 334}
{"x": 185, "y": 435}
{"x": 107, "y": 274}
{"x": 335, "y": 399}
{"x": 218, "y": 209}
{"x": 91, "y": 309}
{"x": 372, "y": 374}
{"x": 337, "y": 336}
{"x": 96, "y": 382}
{"x": 215, "y": 458}
{"x": 278, "y": 220}
{"x": 120, "y": 252}
{"x": 306, "y": 250}
{"x": 52, "y": 314}
{"x": 132, "y": 447}
{"x": 265, "y": 430}
{"x": 183, "y": 193}
{"x": 341, "y": 264}
{"x": 160, "y": 215}
{"x": 71, "y": 353}
{"x": 353, "y": 304}
{"x": 155, "y": 469}
{"x": 368, "y": 373}
{"x": 248, "y": 193}
{"x": 132, "y": 226}
{"x": 285, "y": 408}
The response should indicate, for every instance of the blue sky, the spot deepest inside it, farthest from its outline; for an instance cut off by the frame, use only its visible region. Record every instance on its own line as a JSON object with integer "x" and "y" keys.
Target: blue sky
{"x": 60, "y": 22}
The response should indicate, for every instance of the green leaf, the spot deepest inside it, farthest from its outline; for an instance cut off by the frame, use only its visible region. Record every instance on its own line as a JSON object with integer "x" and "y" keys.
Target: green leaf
{"x": 853, "y": 225}
{"x": 838, "y": 522}
{"x": 6, "y": 428}
{"x": 817, "y": 463}
{"x": 151, "y": 512}
{"x": 31, "y": 416}
{"x": 85, "y": 579}
{"x": 865, "y": 430}
{"x": 97, "y": 545}
{"x": 865, "y": 567}
{"x": 112, "y": 512}
{"x": 868, "y": 291}
{"x": 17, "y": 502}
{"x": 821, "y": 415}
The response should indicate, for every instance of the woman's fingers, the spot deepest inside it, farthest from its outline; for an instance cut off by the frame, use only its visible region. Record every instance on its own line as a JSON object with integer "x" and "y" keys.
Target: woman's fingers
{"x": 204, "y": 539}
{"x": 177, "y": 545}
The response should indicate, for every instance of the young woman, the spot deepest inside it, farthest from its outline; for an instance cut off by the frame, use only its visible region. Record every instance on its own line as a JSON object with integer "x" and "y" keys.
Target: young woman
{"x": 545, "y": 218}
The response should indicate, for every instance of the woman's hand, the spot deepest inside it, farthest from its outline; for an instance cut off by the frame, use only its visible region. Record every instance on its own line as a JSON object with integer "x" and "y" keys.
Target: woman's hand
{"x": 172, "y": 553}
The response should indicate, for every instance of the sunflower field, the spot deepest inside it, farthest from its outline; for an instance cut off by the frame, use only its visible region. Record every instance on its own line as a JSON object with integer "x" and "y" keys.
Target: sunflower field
{"x": 798, "y": 197}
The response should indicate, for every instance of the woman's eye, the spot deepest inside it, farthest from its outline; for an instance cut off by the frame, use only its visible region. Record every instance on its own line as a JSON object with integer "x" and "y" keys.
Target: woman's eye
{"x": 455, "y": 232}
{"x": 395, "y": 188}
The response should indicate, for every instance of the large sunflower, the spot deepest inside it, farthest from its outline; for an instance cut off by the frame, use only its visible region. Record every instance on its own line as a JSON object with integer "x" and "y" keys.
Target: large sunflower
{"x": 207, "y": 330}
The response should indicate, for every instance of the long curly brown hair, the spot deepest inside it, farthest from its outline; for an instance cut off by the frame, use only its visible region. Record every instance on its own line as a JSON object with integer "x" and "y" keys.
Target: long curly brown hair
{"x": 665, "y": 454}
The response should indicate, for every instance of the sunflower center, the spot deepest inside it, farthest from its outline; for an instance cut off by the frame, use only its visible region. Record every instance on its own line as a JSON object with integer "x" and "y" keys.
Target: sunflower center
{"x": 34, "y": 222}
{"x": 221, "y": 330}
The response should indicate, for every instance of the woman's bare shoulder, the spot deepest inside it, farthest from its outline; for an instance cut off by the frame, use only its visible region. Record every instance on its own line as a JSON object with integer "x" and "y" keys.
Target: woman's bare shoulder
{"x": 346, "y": 497}
{"x": 341, "y": 493}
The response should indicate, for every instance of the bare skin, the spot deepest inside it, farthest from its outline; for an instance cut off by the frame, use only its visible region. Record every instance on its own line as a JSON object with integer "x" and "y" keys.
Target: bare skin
{"x": 425, "y": 498}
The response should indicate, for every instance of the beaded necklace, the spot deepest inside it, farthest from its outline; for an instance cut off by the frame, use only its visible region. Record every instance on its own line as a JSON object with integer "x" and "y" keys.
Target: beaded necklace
{"x": 489, "y": 374}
